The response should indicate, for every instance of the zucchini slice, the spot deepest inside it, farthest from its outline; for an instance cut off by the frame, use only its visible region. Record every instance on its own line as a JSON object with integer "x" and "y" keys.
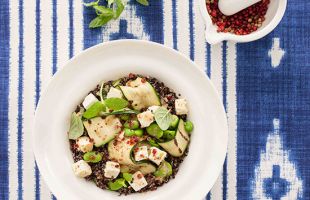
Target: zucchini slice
{"x": 121, "y": 152}
{"x": 102, "y": 130}
{"x": 177, "y": 146}
{"x": 141, "y": 93}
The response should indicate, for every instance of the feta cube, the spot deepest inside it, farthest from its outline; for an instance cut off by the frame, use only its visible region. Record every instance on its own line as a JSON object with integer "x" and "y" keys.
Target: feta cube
{"x": 112, "y": 169}
{"x": 145, "y": 118}
{"x": 181, "y": 107}
{"x": 81, "y": 169}
{"x": 153, "y": 108}
{"x": 84, "y": 144}
{"x": 89, "y": 100}
{"x": 157, "y": 155}
{"x": 141, "y": 153}
{"x": 138, "y": 181}
{"x": 113, "y": 92}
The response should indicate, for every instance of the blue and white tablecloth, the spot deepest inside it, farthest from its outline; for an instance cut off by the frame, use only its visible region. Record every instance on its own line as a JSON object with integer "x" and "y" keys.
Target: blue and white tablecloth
{"x": 265, "y": 87}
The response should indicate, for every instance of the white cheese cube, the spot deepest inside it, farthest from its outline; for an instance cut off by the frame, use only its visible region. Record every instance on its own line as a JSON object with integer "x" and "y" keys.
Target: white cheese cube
{"x": 181, "y": 107}
{"x": 138, "y": 181}
{"x": 89, "y": 100}
{"x": 114, "y": 93}
{"x": 145, "y": 118}
{"x": 81, "y": 169}
{"x": 84, "y": 144}
{"x": 157, "y": 155}
{"x": 112, "y": 169}
{"x": 141, "y": 153}
{"x": 153, "y": 108}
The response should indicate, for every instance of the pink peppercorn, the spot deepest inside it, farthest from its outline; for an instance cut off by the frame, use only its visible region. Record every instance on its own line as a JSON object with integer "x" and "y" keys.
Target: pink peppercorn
{"x": 241, "y": 23}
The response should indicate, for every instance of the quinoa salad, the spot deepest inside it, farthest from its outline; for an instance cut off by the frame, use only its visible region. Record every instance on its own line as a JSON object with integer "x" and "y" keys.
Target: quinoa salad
{"x": 130, "y": 135}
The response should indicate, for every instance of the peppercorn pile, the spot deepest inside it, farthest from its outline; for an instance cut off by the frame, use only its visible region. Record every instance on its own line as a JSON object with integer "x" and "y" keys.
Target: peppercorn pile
{"x": 241, "y": 23}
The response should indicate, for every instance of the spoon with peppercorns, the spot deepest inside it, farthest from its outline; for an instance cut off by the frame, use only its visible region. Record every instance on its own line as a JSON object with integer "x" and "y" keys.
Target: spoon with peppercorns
{"x": 230, "y": 7}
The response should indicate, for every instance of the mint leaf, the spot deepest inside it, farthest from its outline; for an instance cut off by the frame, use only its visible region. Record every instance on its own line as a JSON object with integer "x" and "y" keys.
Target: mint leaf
{"x": 143, "y": 2}
{"x": 116, "y": 103}
{"x": 90, "y": 4}
{"x": 119, "y": 9}
{"x": 99, "y": 21}
{"x": 94, "y": 110}
{"x": 163, "y": 118}
{"x": 103, "y": 11}
{"x": 76, "y": 127}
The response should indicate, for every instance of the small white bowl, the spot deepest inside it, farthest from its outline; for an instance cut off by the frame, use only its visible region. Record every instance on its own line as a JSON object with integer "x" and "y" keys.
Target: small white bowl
{"x": 273, "y": 17}
{"x": 112, "y": 60}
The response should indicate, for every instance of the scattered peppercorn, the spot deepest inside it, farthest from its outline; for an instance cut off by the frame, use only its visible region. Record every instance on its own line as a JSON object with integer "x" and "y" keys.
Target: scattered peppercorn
{"x": 242, "y": 23}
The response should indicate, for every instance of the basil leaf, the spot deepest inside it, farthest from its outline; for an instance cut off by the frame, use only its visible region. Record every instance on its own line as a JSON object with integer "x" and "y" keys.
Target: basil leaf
{"x": 116, "y": 103}
{"x": 99, "y": 21}
{"x": 90, "y": 4}
{"x": 143, "y": 2}
{"x": 94, "y": 110}
{"x": 119, "y": 9}
{"x": 76, "y": 127}
{"x": 110, "y": 2}
{"x": 103, "y": 11}
{"x": 163, "y": 118}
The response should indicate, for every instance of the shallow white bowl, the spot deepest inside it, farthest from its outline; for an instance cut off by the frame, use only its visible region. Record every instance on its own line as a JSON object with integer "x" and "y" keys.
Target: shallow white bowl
{"x": 273, "y": 17}
{"x": 112, "y": 60}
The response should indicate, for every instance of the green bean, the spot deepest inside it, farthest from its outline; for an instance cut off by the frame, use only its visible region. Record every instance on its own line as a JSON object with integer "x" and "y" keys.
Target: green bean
{"x": 92, "y": 157}
{"x": 132, "y": 124}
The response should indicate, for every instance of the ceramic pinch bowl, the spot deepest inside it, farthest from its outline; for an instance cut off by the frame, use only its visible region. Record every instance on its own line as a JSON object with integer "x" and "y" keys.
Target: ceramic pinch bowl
{"x": 275, "y": 12}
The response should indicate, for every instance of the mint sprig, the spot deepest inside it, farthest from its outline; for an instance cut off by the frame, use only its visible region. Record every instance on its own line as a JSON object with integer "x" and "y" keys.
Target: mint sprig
{"x": 113, "y": 10}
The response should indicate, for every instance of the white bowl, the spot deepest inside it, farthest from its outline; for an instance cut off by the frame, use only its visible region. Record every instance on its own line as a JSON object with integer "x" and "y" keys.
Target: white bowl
{"x": 273, "y": 17}
{"x": 112, "y": 60}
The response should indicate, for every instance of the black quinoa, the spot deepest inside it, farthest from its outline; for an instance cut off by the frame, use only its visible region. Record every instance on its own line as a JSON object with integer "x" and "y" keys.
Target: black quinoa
{"x": 167, "y": 97}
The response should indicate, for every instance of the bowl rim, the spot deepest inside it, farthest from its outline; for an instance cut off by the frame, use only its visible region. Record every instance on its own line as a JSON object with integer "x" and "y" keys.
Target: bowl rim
{"x": 38, "y": 158}
{"x": 219, "y": 37}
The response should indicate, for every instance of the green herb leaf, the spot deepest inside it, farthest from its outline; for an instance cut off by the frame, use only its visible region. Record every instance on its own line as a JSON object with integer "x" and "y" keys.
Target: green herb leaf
{"x": 76, "y": 127}
{"x": 120, "y": 112}
{"x": 100, "y": 21}
{"x": 119, "y": 9}
{"x": 143, "y": 2}
{"x": 117, "y": 184}
{"x": 110, "y": 2}
{"x": 127, "y": 177}
{"x": 92, "y": 157}
{"x": 90, "y": 4}
{"x": 116, "y": 103}
{"x": 163, "y": 118}
{"x": 103, "y": 11}
{"x": 94, "y": 110}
